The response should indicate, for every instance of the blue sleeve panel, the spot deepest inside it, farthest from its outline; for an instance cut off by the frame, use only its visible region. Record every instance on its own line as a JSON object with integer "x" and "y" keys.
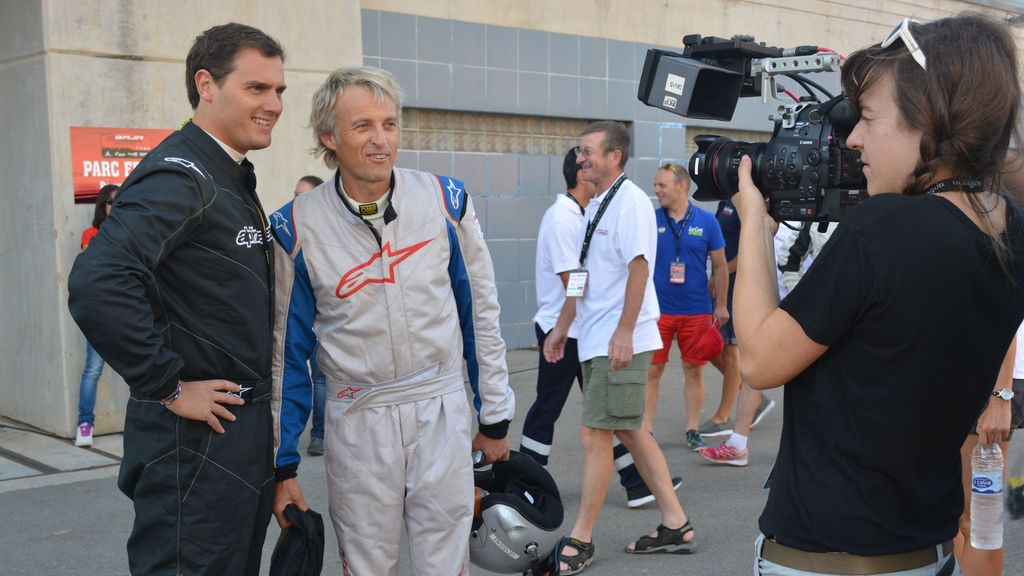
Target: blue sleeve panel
{"x": 299, "y": 343}
{"x": 464, "y": 302}
{"x": 283, "y": 226}
{"x": 454, "y": 193}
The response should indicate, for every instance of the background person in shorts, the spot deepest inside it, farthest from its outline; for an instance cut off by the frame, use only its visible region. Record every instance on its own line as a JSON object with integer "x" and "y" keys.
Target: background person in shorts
{"x": 687, "y": 236}
{"x": 558, "y": 253}
{"x": 617, "y": 326}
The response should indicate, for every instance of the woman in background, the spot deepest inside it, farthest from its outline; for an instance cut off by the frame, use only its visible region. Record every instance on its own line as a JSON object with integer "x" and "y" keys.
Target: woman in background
{"x": 93, "y": 362}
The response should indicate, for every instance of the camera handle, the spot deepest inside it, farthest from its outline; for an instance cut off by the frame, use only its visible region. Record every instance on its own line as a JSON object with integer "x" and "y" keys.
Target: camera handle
{"x": 767, "y": 68}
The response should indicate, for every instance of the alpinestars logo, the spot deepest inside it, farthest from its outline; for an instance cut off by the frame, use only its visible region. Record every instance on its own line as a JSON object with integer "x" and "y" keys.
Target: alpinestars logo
{"x": 454, "y": 194}
{"x": 248, "y": 236}
{"x": 187, "y": 164}
{"x": 280, "y": 222}
{"x": 354, "y": 280}
{"x": 349, "y": 392}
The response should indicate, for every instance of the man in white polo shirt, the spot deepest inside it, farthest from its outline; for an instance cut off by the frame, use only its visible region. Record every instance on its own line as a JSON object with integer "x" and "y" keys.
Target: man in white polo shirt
{"x": 611, "y": 297}
{"x": 557, "y": 253}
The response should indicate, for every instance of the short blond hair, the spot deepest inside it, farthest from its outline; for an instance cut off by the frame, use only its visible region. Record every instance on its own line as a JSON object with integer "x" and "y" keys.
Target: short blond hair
{"x": 677, "y": 170}
{"x": 381, "y": 83}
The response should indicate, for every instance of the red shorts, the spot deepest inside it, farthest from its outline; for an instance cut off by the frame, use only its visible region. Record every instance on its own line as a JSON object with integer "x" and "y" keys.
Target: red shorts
{"x": 685, "y": 329}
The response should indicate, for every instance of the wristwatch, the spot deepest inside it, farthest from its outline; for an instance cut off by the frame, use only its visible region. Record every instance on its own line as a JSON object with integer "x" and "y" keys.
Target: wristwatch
{"x": 1004, "y": 393}
{"x": 177, "y": 392}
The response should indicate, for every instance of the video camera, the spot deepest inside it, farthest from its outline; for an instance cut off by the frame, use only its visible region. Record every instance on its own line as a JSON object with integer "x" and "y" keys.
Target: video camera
{"x": 805, "y": 170}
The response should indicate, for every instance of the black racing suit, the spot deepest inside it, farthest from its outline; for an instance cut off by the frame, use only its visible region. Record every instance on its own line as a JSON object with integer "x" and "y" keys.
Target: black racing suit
{"x": 178, "y": 286}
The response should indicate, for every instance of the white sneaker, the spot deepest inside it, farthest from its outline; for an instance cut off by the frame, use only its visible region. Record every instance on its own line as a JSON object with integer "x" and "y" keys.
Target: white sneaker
{"x": 84, "y": 435}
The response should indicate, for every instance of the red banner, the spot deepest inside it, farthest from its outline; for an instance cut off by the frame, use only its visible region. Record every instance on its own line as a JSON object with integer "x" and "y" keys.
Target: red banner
{"x": 101, "y": 156}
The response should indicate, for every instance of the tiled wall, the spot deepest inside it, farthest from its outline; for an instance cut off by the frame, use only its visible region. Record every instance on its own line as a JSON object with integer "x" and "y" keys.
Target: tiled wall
{"x": 452, "y": 65}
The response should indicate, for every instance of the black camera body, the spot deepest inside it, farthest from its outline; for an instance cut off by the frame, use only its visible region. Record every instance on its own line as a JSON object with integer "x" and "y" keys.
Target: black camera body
{"x": 806, "y": 170}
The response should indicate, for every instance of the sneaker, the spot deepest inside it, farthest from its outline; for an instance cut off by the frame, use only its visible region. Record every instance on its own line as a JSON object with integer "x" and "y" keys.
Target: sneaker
{"x": 763, "y": 408}
{"x": 724, "y": 453}
{"x": 693, "y": 440}
{"x": 316, "y": 446}
{"x": 637, "y": 496}
{"x": 712, "y": 428}
{"x": 84, "y": 435}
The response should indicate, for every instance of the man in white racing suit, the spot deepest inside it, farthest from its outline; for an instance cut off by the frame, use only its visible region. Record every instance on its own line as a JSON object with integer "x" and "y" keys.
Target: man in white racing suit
{"x": 388, "y": 269}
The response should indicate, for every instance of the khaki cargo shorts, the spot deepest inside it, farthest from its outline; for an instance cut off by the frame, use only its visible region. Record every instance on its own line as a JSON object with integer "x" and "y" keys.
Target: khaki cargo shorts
{"x": 615, "y": 400}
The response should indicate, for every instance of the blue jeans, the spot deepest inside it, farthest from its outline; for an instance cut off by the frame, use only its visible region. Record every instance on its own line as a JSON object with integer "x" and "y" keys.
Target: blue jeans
{"x": 87, "y": 388}
{"x": 763, "y": 567}
{"x": 319, "y": 398}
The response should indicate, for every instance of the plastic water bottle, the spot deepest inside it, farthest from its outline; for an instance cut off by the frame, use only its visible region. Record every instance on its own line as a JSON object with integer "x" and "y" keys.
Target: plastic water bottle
{"x": 987, "y": 497}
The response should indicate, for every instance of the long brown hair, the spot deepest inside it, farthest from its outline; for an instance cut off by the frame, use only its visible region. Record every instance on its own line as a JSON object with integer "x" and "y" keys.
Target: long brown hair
{"x": 99, "y": 213}
{"x": 965, "y": 104}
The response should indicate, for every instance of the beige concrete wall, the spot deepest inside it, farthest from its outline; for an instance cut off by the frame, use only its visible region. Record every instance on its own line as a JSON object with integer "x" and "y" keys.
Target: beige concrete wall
{"x": 133, "y": 51}
{"x": 843, "y": 25}
{"x": 115, "y": 63}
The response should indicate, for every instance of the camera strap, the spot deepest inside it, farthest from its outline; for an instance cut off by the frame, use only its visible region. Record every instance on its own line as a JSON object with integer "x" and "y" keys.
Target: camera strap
{"x": 592, "y": 225}
{"x": 956, "y": 185}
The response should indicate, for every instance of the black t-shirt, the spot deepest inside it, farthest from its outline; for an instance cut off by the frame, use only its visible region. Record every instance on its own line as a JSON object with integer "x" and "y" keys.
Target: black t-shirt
{"x": 918, "y": 316}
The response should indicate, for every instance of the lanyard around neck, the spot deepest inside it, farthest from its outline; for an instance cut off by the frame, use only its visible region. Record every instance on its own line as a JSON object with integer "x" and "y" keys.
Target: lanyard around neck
{"x": 682, "y": 226}
{"x": 592, "y": 225}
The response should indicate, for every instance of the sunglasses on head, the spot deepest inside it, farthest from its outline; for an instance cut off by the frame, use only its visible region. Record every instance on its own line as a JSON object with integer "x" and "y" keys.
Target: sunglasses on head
{"x": 902, "y": 32}
{"x": 672, "y": 168}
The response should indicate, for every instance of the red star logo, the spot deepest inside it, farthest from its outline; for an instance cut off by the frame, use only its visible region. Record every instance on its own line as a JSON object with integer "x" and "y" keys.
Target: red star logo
{"x": 349, "y": 392}
{"x": 354, "y": 280}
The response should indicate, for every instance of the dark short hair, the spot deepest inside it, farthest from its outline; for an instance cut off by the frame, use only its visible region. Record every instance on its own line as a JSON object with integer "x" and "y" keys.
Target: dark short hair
{"x": 616, "y": 137}
{"x": 570, "y": 168}
{"x": 99, "y": 212}
{"x": 215, "y": 49}
{"x": 313, "y": 181}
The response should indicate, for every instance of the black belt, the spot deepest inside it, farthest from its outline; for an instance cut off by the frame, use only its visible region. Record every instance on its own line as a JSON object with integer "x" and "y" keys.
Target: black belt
{"x": 843, "y": 563}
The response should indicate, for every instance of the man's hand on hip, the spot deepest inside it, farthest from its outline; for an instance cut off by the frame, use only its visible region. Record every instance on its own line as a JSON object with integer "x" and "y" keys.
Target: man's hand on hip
{"x": 203, "y": 400}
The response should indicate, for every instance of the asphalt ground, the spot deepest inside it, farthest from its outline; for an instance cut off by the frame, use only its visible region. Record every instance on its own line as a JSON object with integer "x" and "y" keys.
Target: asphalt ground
{"x": 63, "y": 514}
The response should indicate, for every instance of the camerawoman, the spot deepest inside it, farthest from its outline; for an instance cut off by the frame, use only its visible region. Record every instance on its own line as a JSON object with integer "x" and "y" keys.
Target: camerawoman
{"x": 890, "y": 346}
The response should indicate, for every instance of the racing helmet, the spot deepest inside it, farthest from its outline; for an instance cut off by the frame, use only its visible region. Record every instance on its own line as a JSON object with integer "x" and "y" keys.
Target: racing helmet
{"x": 520, "y": 513}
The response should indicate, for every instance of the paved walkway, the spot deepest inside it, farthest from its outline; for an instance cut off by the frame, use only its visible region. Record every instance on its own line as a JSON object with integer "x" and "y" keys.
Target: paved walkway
{"x": 64, "y": 514}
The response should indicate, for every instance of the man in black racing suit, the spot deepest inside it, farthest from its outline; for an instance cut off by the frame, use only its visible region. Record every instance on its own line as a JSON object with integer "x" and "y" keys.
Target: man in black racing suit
{"x": 176, "y": 295}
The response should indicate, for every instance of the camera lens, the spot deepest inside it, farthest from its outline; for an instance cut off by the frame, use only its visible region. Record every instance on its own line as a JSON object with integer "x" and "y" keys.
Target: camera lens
{"x": 714, "y": 167}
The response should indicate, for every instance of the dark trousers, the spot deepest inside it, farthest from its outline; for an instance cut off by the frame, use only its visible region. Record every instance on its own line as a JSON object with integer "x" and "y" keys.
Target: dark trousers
{"x": 202, "y": 500}
{"x": 554, "y": 382}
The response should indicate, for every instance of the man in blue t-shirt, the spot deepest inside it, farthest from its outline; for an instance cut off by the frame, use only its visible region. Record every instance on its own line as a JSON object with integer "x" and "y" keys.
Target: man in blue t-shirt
{"x": 687, "y": 235}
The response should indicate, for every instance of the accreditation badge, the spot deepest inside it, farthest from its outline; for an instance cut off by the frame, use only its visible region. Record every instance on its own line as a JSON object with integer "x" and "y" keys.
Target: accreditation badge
{"x": 576, "y": 285}
{"x": 677, "y": 273}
